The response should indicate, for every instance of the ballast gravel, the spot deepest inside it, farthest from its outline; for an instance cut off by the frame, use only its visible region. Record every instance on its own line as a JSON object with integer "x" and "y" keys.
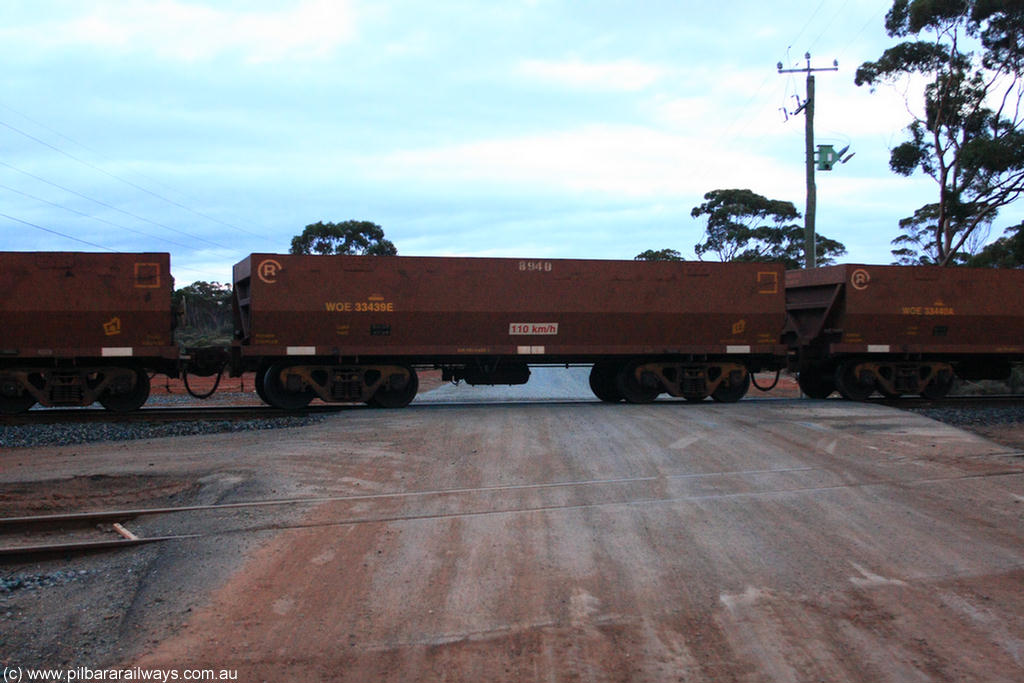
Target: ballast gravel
{"x": 974, "y": 415}
{"x": 67, "y": 434}
{"x": 10, "y": 584}
{"x": 34, "y": 436}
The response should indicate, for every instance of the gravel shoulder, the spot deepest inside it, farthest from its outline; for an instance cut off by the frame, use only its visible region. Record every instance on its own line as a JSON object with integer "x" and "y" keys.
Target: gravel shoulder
{"x": 1007, "y": 434}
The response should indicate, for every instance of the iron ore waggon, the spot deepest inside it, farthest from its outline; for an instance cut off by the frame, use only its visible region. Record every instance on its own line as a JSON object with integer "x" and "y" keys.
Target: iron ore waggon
{"x": 351, "y": 328}
{"x": 77, "y": 327}
{"x": 902, "y": 329}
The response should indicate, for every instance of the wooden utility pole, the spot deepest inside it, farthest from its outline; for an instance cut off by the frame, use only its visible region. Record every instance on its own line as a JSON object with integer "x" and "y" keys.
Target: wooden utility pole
{"x": 812, "y": 196}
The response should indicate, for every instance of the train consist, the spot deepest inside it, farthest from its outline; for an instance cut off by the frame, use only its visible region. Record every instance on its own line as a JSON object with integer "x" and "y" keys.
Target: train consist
{"x": 76, "y": 328}
{"x": 902, "y": 330}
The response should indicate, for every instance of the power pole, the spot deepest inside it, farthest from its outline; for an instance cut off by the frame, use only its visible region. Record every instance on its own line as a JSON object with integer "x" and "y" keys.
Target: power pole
{"x": 812, "y": 199}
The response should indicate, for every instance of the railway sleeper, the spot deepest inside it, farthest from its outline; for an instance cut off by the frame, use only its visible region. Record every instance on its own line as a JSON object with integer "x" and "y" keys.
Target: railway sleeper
{"x": 292, "y": 387}
{"x": 117, "y": 388}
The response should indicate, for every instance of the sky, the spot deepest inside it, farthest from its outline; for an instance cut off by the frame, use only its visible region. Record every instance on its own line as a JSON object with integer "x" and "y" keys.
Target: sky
{"x": 519, "y": 128}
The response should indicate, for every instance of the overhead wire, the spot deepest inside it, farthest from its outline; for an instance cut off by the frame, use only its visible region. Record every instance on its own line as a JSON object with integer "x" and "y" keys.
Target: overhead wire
{"x": 36, "y": 226}
{"x": 806, "y": 24}
{"x": 112, "y": 207}
{"x": 740, "y": 115}
{"x": 55, "y": 232}
{"x": 828, "y": 25}
{"x": 757, "y": 92}
{"x": 872, "y": 19}
{"x": 136, "y": 186}
{"x": 107, "y": 205}
{"x": 849, "y": 40}
{"x": 95, "y": 218}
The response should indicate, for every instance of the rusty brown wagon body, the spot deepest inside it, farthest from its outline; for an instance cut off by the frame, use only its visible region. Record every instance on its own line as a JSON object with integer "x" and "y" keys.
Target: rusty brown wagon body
{"x": 903, "y": 329}
{"x": 82, "y": 327}
{"x": 77, "y": 328}
{"x": 352, "y": 328}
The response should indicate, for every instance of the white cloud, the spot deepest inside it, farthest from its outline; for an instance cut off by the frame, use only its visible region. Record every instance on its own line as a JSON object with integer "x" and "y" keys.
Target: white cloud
{"x": 614, "y": 160}
{"x": 625, "y": 75}
{"x": 191, "y": 32}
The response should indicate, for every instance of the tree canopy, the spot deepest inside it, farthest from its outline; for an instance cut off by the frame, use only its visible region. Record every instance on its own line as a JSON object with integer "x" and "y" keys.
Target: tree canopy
{"x": 205, "y": 314}
{"x": 659, "y": 255}
{"x": 350, "y": 237}
{"x": 1005, "y": 252}
{"x": 968, "y": 134}
{"x": 745, "y": 226}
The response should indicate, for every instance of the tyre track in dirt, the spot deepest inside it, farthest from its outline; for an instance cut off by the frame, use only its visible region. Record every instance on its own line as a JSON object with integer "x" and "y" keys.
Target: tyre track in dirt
{"x": 788, "y": 541}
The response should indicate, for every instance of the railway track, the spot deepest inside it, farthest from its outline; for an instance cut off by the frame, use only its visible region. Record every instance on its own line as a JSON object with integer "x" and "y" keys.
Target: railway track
{"x": 161, "y": 414}
{"x": 210, "y": 413}
{"x": 23, "y": 538}
{"x": 950, "y": 401}
{"x": 62, "y": 534}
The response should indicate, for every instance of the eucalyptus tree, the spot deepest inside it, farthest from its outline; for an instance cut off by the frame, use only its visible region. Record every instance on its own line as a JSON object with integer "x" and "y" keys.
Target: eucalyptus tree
{"x": 967, "y": 133}
{"x": 745, "y": 226}
{"x": 349, "y": 237}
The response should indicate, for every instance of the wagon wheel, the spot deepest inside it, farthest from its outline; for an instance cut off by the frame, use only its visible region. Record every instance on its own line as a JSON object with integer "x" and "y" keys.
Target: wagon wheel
{"x": 396, "y": 397}
{"x": 127, "y": 401}
{"x": 938, "y": 387}
{"x": 602, "y": 381}
{"x": 261, "y": 372}
{"x": 13, "y": 399}
{"x": 850, "y": 385}
{"x": 730, "y": 393}
{"x": 278, "y": 395}
{"x": 633, "y": 389}
{"x": 816, "y": 383}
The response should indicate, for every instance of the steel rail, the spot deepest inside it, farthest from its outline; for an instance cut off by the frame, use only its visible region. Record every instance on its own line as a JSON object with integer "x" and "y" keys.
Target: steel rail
{"x": 85, "y": 546}
{"x": 11, "y": 524}
{"x": 162, "y": 414}
{"x": 16, "y": 553}
{"x": 191, "y": 413}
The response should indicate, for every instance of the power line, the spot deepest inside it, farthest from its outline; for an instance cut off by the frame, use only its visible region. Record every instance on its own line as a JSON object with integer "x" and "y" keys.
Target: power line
{"x": 114, "y": 208}
{"x": 95, "y": 218}
{"x": 123, "y": 180}
{"x": 39, "y": 227}
{"x": 87, "y": 148}
{"x": 872, "y": 19}
{"x": 80, "y": 241}
{"x": 828, "y": 25}
{"x": 807, "y": 24}
{"x": 742, "y": 112}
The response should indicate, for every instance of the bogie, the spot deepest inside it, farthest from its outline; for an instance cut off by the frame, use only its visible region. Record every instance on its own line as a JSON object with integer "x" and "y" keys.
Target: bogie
{"x": 118, "y": 388}
{"x": 291, "y": 386}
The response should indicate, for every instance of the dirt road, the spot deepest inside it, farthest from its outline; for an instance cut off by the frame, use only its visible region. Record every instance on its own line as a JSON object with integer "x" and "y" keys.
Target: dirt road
{"x": 764, "y": 541}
